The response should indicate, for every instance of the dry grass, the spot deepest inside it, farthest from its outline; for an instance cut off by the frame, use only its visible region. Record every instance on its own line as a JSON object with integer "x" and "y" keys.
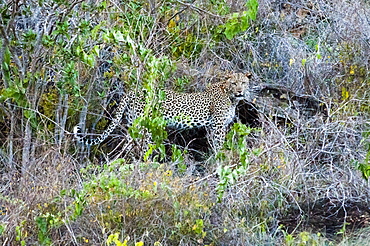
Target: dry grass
{"x": 299, "y": 184}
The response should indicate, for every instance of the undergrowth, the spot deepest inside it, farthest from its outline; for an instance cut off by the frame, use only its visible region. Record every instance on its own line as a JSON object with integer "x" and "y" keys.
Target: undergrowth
{"x": 304, "y": 182}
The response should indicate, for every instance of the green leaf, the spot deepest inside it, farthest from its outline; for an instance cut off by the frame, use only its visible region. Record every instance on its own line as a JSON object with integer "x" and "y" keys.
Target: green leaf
{"x": 252, "y": 9}
{"x": 96, "y": 50}
{"x": 2, "y": 229}
{"x": 6, "y": 64}
{"x": 118, "y": 36}
{"x": 345, "y": 93}
{"x": 365, "y": 170}
{"x": 7, "y": 56}
{"x": 304, "y": 62}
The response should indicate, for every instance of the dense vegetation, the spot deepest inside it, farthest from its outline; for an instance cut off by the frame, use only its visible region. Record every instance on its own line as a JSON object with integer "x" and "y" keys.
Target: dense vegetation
{"x": 303, "y": 182}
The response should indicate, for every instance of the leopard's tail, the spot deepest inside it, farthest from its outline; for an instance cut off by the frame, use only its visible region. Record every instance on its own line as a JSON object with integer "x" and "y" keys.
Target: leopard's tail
{"x": 81, "y": 138}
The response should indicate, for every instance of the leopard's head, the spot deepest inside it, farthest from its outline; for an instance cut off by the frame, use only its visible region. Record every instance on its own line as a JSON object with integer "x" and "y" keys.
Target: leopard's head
{"x": 237, "y": 85}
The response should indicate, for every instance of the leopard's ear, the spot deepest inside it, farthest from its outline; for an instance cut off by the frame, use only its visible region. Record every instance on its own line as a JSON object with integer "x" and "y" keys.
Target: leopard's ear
{"x": 248, "y": 75}
{"x": 227, "y": 75}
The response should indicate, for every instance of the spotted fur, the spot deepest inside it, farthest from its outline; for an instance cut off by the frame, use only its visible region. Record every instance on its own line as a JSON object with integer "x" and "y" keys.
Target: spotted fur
{"x": 214, "y": 108}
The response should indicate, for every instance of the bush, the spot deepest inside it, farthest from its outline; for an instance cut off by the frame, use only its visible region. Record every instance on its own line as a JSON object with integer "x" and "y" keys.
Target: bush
{"x": 303, "y": 182}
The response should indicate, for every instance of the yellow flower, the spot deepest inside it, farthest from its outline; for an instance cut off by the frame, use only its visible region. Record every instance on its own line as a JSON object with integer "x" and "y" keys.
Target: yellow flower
{"x": 139, "y": 243}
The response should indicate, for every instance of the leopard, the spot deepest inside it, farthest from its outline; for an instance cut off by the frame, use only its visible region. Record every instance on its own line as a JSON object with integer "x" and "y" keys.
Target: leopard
{"x": 214, "y": 108}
